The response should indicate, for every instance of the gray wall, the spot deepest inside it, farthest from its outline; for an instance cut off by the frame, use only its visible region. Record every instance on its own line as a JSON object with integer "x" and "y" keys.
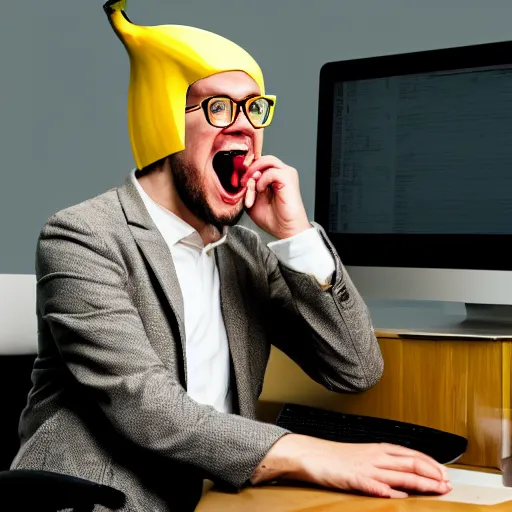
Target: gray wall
{"x": 63, "y": 80}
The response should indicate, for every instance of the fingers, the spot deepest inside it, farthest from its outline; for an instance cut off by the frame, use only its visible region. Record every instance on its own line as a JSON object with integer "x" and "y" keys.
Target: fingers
{"x": 373, "y": 487}
{"x": 271, "y": 169}
{"x": 250, "y": 195}
{"x": 271, "y": 177}
{"x": 401, "y": 451}
{"x": 248, "y": 175}
{"x": 411, "y": 465}
{"x": 265, "y": 163}
{"x": 404, "y": 480}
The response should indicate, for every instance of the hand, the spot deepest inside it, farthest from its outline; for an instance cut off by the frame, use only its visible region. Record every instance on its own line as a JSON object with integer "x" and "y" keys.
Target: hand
{"x": 273, "y": 199}
{"x": 374, "y": 469}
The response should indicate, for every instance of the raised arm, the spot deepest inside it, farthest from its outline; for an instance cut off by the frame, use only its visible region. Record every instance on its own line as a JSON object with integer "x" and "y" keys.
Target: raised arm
{"x": 326, "y": 329}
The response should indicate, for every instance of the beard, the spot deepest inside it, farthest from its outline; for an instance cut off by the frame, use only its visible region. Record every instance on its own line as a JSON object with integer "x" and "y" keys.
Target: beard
{"x": 188, "y": 184}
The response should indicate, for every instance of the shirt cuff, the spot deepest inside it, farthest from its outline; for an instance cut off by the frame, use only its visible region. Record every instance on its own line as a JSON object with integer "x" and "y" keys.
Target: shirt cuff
{"x": 306, "y": 253}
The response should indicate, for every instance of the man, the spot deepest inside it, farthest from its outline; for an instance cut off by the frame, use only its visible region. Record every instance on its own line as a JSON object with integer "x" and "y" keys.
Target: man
{"x": 156, "y": 319}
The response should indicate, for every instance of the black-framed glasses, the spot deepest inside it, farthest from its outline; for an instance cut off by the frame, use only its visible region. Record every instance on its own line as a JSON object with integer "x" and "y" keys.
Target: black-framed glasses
{"x": 222, "y": 111}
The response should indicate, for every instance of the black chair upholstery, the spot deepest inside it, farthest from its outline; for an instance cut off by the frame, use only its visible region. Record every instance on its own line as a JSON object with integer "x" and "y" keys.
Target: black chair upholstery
{"x": 15, "y": 385}
{"x": 41, "y": 491}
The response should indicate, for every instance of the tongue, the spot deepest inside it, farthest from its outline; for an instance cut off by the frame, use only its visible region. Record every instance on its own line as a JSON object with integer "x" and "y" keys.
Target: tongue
{"x": 238, "y": 168}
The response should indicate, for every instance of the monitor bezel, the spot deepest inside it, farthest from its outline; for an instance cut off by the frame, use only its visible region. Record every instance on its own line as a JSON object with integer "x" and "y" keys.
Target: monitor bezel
{"x": 478, "y": 252}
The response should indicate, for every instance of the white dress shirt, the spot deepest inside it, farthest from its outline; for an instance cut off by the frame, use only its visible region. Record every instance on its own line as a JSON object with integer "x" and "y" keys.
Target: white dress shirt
{"x": 207, "y": 349}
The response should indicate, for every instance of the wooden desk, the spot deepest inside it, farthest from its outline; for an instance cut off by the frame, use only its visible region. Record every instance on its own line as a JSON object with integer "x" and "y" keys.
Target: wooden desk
{"x": 459, "y": 386}
{"x": 455, "y": 385}
{"x": 290, "y": 499}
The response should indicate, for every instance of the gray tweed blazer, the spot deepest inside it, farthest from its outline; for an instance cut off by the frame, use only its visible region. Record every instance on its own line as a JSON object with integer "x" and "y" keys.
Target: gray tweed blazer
{"x": 109, "y": 399}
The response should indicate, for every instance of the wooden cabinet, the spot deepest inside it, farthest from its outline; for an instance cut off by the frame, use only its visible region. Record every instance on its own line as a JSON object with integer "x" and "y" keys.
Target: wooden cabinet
{"x": 454, "y": 385}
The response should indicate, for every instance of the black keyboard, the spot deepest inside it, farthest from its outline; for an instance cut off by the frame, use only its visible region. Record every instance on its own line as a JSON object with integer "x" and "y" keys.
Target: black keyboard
{"x": 442, "y": 446}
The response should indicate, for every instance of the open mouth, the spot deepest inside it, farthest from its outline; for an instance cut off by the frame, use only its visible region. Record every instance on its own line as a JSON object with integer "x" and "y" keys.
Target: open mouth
{"x": 229, "y": 167}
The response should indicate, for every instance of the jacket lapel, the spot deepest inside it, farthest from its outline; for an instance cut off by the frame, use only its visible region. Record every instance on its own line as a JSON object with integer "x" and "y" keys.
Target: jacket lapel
{"x": 236, "y": 328}
{"x": 155, "y": 250}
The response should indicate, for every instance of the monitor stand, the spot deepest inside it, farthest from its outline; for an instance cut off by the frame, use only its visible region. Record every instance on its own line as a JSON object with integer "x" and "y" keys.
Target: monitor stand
{"x": 489, "y": 314}
{"x": 482, "y": 322}
{"x": 487, "y": 319}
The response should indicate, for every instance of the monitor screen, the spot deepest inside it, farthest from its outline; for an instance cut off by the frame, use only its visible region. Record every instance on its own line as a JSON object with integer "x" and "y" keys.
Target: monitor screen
{"x": 414, "y": 163}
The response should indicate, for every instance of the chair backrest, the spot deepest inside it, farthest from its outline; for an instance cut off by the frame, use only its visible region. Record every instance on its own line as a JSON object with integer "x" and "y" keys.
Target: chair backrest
{"x": 18, "y": 347}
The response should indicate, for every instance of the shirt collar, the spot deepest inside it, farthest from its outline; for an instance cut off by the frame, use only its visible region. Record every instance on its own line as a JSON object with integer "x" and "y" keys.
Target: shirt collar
{"x": 174, "y": 228}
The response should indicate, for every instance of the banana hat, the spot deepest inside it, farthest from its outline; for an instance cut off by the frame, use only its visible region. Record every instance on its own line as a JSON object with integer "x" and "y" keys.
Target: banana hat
{"x": 164, "y": 61}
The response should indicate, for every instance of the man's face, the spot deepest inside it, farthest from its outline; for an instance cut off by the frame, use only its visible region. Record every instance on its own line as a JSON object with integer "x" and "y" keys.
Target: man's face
{"x": 201, "y": 181}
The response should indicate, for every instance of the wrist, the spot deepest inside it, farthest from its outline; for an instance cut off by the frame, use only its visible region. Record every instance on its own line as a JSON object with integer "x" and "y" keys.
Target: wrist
{"x": 283, "y": 460}
{"x": 294, "y": 230}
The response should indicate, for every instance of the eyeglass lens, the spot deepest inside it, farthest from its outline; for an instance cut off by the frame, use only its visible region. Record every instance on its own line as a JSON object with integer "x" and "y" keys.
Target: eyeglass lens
{"x": 222, "y": 110}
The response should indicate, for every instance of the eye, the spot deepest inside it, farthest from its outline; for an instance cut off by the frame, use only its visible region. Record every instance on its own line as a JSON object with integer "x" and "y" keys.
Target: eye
{"x": 259, "y": 110}
{"x": 217, "y": 107}
{"x": 258, "y": 107}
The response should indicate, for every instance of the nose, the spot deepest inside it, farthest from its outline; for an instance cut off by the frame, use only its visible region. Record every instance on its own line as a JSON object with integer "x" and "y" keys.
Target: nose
{"x": 241, "y": 125}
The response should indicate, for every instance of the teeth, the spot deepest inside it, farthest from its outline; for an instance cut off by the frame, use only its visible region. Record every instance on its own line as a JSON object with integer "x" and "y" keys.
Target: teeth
{"x": 236, "y": 147}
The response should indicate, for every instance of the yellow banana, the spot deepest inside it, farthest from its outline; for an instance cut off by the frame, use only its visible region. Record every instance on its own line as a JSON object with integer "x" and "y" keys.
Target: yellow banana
{"x": 164, "y": 61}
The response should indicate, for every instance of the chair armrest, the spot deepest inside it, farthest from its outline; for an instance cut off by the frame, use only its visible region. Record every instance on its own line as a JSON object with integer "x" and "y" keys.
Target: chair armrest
{"x": 54, "y": 491}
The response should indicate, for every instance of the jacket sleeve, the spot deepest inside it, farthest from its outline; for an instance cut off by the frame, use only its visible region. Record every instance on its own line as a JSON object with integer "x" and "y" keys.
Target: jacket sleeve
{"x": 327, "y": 331}
{"x": 82, "y": 296}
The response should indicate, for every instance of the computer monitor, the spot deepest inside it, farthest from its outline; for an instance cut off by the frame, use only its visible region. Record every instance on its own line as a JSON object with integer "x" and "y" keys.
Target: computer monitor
{"x": 414, "y": 174}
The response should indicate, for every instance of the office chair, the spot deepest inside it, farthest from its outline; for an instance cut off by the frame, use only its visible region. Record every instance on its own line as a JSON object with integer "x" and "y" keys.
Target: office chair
{"x": 28, "y": 489}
